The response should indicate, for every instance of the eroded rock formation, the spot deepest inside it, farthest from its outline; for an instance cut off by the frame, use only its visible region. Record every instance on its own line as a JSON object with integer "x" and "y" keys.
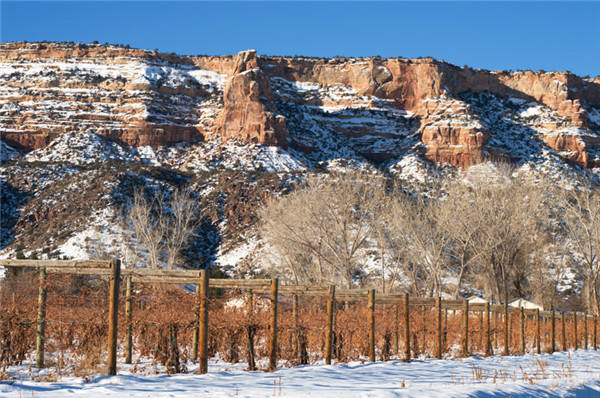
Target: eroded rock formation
{"x": 249, "y": 114}
{"x": 378, "y": 107}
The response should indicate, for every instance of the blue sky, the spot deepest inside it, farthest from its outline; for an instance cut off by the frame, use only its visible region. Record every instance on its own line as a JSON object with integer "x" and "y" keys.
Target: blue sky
{"x": 512, "y": 35}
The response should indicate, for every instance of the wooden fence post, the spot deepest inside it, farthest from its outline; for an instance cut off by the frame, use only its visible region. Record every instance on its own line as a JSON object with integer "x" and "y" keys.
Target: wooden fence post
{"x": 465, "y": 342}
{"x": 396, "y": 329}
{"x": 481, "y": 331}
{"x": 196, "y": 331}
{"x": 250, "y": 316}
{"x": 203, "y": 323}
{"x": 406, "y": 329}
{"x": 330, "y": 309}
{"x": 439, "y": 329}
{"x": 334, "y": 346}
{"x": 424, "y": 328}
{"x": 495, "y": 334}
{"x": 273, "y": 348}
{"x": 113, "y": 315}
{"x": 522, "y": 313}
{"x": 575, "y": 342}
{"x": 445, "y": 333}
{"x": 585, "y": 330}
{"x": 552, "y": 332}
{"x": 538, "y": 342}
{"x": 595, "y": 332}
{"x": 41, "y": 321}
{"x": 545, "y": 335}
{"x": 296, "y": 326}
{"x": 563, "y": 331}
{"x": 506, "y": 331}
{"x": 372, "y": 325}
{"x": 128, "y": 320}
{"x": 488, "y": 337}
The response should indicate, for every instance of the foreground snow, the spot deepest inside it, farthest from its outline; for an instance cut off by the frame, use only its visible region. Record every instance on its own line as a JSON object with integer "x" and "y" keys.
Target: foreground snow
{"x": 571, "y": 374}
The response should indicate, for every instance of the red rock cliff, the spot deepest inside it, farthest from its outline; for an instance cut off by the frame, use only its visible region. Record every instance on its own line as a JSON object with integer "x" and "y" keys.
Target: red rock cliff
{"x": 140, "y": 97}
{"x": 248, "y": 113}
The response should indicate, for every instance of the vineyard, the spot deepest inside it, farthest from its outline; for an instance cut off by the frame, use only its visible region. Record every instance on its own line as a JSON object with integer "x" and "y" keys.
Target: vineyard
{"x": 81, "y": 317}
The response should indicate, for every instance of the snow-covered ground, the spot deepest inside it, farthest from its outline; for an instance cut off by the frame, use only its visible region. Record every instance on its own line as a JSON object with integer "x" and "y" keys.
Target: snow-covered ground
{"x": 563, "y": 374}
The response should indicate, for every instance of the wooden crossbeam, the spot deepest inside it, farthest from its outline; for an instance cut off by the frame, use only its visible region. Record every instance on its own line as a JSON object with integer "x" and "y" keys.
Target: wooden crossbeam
{"x": 67, "y": 264}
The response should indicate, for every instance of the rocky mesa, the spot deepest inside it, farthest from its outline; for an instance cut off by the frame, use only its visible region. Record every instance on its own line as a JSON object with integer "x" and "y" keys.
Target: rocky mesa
{"x": 374, "y": 108}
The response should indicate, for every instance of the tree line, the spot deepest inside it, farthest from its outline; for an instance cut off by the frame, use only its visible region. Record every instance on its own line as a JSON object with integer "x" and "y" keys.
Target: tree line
{"x": 513, "y": 236}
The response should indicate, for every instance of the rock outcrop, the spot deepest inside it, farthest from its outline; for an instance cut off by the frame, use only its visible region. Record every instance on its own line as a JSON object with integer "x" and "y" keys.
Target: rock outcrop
{"x": 379, "y": 108}
{"x": 249, "y": 114}
{"x": 131, "y": 96}
{"x": 451, "y": 133}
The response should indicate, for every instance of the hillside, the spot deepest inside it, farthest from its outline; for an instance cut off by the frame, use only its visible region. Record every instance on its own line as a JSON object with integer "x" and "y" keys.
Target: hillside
{"x": 83, "y": 124}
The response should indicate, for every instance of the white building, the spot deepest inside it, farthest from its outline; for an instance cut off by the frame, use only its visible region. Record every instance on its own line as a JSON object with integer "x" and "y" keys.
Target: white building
{"x": 526, "y": 304}
{"x": 476, "y": 300}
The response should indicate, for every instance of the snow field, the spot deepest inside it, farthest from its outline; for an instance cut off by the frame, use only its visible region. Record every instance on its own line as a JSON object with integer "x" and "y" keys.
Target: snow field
{"x": 562, "y": 374}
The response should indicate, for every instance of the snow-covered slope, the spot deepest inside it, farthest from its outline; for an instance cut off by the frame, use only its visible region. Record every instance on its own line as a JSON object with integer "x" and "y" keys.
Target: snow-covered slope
{"x": 51, "y": 197}
{"x": 83, "y": 148}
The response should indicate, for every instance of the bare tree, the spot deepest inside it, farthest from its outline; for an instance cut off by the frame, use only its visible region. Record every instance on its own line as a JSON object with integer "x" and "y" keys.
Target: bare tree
{"x": 179, "y": 224}
{"x": 462, "y": 229}
{"x": 504, "y": 235}
{"x": 394, "y": 254}
{"x": 582, "y": 222}
{"x": 421, "y": 245}
{"x": 164, "y": 225}
{"x": 319, "y": 229}
{"x": 146, "y": 218}
{"x": 507, "y": 216}
{"x": 550, "y": 269}
{"x": 550, "y": 253}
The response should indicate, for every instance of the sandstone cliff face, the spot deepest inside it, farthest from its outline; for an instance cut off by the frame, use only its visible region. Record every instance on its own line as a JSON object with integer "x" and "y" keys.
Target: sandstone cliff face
{"x": 378, "y": 108}
{"x": 130, "y": 96}
{"x": 410, "y": 84}
{"x": 248, "y": 113}
{"x": 451, "y": 133}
